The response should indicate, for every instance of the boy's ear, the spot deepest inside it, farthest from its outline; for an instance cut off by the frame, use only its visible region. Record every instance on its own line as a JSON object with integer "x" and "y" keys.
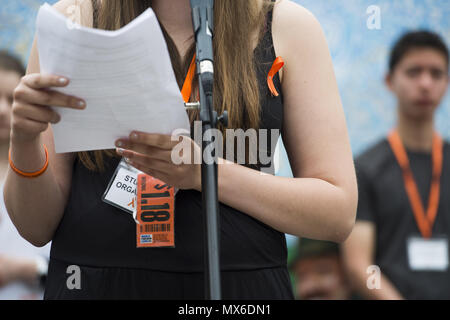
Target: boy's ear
{"x": 388, "y": 80}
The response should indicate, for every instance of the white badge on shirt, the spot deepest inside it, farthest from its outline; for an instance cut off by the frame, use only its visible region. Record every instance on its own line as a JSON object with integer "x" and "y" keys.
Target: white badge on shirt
{"x": 122, "y": 189}
{"x": 428, "y": 254}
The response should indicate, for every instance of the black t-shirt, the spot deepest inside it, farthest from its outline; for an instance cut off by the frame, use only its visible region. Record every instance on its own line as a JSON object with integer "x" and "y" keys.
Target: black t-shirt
{"x": 383, "y": 200}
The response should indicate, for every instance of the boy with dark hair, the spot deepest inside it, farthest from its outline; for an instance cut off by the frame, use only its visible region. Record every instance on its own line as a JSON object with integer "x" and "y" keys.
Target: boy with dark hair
{"x": 403, "y": 219}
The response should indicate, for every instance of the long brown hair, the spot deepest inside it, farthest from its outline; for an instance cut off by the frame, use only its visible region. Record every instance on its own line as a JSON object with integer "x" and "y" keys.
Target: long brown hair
{"x": 235, "y": 85}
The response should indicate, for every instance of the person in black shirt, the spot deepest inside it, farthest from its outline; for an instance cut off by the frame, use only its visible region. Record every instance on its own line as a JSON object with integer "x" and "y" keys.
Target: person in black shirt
{"x": 399, "y": 246}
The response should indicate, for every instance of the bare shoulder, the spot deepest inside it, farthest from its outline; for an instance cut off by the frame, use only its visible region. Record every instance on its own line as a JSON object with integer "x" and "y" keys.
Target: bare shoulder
{"x": 288, "y": 14}
{"x": 291, "y": 12}
{"x": 294, "y": 26}
{"x": 79, "y": 11}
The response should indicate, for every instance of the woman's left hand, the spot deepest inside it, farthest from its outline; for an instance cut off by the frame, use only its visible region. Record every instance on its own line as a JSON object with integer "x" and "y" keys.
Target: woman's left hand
{"x": 152, "y": 154}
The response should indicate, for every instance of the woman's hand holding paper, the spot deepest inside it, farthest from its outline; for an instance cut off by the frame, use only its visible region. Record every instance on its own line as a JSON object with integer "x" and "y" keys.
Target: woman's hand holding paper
{"x": 31, "y": 111}
{"x": 161, "y": 157}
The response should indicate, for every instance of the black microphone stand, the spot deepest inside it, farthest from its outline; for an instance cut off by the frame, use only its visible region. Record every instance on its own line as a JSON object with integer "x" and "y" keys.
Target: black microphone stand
{"x": 202, "y": 18}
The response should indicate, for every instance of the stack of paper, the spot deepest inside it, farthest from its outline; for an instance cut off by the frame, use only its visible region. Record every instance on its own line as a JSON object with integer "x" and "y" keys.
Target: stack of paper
{"x": 125, "y": 76}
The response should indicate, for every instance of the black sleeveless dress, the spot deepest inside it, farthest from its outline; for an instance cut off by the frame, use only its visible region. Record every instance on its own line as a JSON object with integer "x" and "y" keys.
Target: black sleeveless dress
{"x": 101, "y": 239}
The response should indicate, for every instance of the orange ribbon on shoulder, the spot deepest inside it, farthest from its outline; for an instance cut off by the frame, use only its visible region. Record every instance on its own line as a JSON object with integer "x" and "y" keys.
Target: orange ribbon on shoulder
{"x": 276, "y": 67}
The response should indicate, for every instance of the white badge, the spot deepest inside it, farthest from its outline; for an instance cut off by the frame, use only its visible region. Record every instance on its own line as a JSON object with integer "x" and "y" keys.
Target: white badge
{"x": 122, "y": 189}
{"x": 428, "y": 254}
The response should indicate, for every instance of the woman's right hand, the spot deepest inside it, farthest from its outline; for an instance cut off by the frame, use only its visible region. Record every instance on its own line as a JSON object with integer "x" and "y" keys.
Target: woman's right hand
{"x": 31, "y": 112}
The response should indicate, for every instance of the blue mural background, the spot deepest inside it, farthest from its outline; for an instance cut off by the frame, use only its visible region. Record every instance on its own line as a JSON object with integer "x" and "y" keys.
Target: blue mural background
{"x": 360, "y": 58}
{"x": 359, "y": 54}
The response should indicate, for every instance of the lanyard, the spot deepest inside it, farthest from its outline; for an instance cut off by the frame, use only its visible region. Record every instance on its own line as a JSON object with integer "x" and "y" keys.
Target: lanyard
{"x": 424, "y": 221}
{"x": 186, "y": 91}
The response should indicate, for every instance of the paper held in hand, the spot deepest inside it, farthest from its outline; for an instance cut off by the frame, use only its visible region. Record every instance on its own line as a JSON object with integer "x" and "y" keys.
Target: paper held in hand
{"x": 125, "y": 76}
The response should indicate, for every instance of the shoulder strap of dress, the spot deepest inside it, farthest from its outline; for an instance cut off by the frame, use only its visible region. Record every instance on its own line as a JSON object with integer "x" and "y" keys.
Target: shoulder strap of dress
{"x": 270, "y": 16}
{"x": 95, "y": 13}
{"x": 266, "y": 42}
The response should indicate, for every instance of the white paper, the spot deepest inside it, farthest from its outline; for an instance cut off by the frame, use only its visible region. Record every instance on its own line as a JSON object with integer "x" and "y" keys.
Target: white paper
{"x": 428, "y": 254}
{"x": 125, "y": 76}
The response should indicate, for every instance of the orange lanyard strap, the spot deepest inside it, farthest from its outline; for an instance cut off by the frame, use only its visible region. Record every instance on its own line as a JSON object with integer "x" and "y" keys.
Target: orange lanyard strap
{"x": 276, "y": 67}
{"x": 424, "y": 222}
{"x": 186, "y": 91}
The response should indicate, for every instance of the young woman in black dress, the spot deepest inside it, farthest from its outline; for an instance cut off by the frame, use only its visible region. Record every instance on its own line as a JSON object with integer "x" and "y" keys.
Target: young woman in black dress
{"x": 64, "y": 201}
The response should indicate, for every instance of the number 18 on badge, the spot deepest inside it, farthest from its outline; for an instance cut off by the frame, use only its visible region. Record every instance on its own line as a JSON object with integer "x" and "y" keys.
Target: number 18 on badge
{"x": 155, "y": 213}
{"x": 150, "y": 201}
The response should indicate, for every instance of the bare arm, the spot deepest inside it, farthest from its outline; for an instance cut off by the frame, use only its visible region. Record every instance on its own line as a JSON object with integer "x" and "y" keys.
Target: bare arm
{"x": 358, "y": 255}
{"x": 36, "y": 205}
{"x": 320, "y": 201}
{"x": 14, "y": 269}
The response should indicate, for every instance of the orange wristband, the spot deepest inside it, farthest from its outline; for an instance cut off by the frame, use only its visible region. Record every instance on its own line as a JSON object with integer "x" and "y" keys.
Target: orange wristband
{"x": 29, "y": 174}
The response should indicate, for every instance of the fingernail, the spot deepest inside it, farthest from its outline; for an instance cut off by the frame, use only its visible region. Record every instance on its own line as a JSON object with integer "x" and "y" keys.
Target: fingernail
{"x": 62, "y": 80}
{"x": 119, "y": 144}
{"x": 134, "y": 136}
{"x": 81, "y": 104}
{"x": 120, "y": 151}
